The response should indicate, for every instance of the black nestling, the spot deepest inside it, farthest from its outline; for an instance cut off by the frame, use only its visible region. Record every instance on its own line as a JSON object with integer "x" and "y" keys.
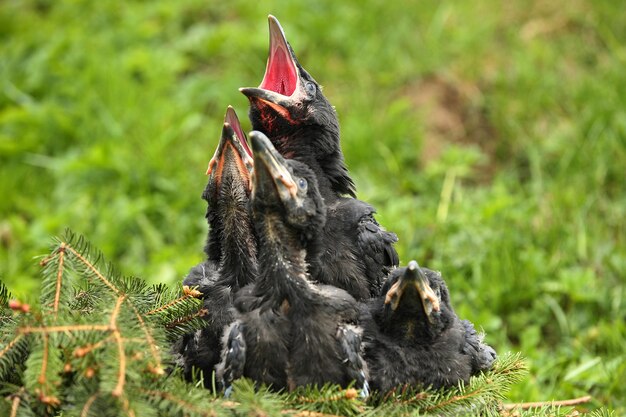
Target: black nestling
{"x": 231, "y": 247}
{"x": 412, "y": 336}
{"x": 291, "y": 110}
{"x": 295, "y": 332}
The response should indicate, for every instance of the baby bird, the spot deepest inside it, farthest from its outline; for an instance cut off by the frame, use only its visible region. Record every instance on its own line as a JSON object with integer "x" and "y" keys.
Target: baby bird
{"x": 230, "y": 248}
{"x": 412, "y": 336}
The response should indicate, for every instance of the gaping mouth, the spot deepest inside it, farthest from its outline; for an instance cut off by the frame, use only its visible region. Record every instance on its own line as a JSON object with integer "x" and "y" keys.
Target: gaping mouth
{"x": 281, "y": 75}
{"x": 232, "y": 119}
{"x": 414, "y": 279}
{"x": 230, "y": 152}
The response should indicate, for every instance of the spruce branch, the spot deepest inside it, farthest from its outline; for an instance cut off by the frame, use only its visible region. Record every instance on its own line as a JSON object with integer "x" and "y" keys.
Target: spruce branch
{"x": 538, "y": 404}
{"x": 121, "y": 374}
{"x": 328, "y": 399}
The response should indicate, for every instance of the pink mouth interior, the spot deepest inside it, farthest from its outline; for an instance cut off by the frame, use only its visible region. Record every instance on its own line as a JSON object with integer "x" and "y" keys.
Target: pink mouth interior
{"x": 280, "y": 74}
{"x": 234, "y": 123}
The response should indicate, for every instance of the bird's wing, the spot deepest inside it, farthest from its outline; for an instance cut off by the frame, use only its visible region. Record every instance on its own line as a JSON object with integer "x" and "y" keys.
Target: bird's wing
{"x": 233, "y": 357}
{"x": 376, "y": 245}
{"x": 350, "y": 340}
{"x": 482, "y": 354}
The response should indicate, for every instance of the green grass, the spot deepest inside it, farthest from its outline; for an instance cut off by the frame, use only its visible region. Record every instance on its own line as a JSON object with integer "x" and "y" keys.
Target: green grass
{"x": 491, "y": 137}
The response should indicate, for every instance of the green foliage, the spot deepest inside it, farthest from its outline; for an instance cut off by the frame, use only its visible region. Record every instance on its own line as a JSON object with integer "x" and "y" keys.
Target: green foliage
{"x": 490, "y": 136}
{"x": 108, "y": 359}
{"x": 98, "y": 358}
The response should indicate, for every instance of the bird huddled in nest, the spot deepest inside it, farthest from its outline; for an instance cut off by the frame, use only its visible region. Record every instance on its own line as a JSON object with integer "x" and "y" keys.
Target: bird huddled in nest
{"x": 230, "y": 249}
{"x": 290, "y": 108}
{"x": 301, "y": 284}
{"x": 412, "y": 336}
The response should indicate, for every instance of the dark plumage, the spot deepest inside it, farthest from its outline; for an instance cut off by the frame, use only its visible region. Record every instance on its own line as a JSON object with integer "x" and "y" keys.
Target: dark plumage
{"x": 358, "y": 253}
{"x": 412, "y": 335}
{"x": 291, "y": 110}
{"x": 230, "y": 248}
{"x": 293, "y": 332}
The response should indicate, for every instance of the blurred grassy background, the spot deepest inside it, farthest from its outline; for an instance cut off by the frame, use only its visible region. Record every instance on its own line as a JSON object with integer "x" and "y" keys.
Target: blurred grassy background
{"x": 490, "y": 135}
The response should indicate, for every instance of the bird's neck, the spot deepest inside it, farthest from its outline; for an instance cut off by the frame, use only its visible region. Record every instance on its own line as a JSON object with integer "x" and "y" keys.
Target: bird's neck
{"x": 405, "y": 327}
{"x": 235, "y": 232}
{"x": 238, "y": 265}
{"x": 283, "y": 276}
{"x": 318, "y": 148}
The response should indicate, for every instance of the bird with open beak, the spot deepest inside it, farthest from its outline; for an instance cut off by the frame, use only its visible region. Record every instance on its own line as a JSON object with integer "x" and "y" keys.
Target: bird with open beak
{"x": 290, "y": 108}
{"x": 295, "y": 332}
{"x": 231, "y": 247}
{"x": 413, "y": 337}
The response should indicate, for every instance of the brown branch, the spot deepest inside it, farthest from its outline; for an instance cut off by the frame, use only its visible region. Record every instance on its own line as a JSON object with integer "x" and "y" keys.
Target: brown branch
{"x": 347, "y": 394}
{"x": 126, "y": 407}
{"x": 79, "y": 352}
{"x": 298, "y": 413}
{"x": 142, "y": 324}
{"x": 57, "y": 294}
{"x": 44, "y": 363}
{"x": 154, "y": 350}
{"x": 187, "y": 405}
{"x": 186, "y": 319}
{"x": 538, "y": 404}
{"x": 93, "y": 269}
{"x": 121, "y": 374}
{"x": 15, "y": 405}
{"x": 50, "y": 257}
{"x": 170, "y": 304}
{"x": 10, "y": 345}
{"x": 85, "y": 411}
{"x": 58, "y": 329}
{"x": 453, "y": 400}
{"x": 149, "y": 338}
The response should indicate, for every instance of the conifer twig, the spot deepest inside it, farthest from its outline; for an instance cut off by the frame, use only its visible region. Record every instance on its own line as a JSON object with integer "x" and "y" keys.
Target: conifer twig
{"x": 44, "y": 365}
{"x": 306, "y": 413}
{"x": 108, "y": 283}
{"x": 151, "y": 343}
{"x": 184, "y": 404}
{"x": 126, "y": 407}
{"x": 57, "y": 293}
{"x": 538, "y": 404}
{"x": 66, "y": 328}
{"x": 15, "y": 405}
{"x": 92, "y": 268}
{"x": 186, "y": 319}
{"x": 121, "y": 375}
{"x": 85, "y": 411}
{"x": 454, "y": 399}
{"x": 81, "y": 351}
{"x": 188, "y": 294}
{"x": 10, "y": 345}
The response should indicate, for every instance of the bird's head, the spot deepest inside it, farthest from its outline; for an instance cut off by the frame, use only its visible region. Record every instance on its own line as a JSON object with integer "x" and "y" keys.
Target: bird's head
{"x": 232, "y": 161}
{"x": 418, "y": 299}
{"x": 290, "y": 108}
{"x": 286, "y": 189}
{"x": 288, "y": 96}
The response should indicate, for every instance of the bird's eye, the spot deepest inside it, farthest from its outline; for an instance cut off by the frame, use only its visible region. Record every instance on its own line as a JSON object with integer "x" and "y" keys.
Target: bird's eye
{"x": 302, "y": 184}
{"x": 310, "y": 88}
